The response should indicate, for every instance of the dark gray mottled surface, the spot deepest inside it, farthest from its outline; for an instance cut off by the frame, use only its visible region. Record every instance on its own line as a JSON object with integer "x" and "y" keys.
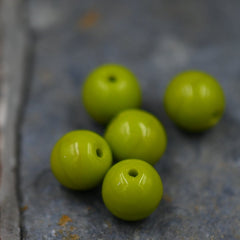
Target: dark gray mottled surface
{"x": 156, "y": 39}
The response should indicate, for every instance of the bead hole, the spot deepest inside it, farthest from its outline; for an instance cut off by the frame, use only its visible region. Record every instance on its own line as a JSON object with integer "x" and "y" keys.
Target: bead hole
{"x": 112, "y": 78}
{"x": 133, "y": 172}
{"x": 216, "y": 114}
{"x": 215, "y": 117}
{"x": 99, "y": 152}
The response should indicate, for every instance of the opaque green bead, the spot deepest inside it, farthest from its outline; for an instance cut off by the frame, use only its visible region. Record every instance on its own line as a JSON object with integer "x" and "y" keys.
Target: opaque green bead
{"x": 108, "y": 90}
{"x": 80, "y": 159}
{"x": 194, "y": 100}
{"x": 132, "y": 189}
{"x": 136, "y": 134}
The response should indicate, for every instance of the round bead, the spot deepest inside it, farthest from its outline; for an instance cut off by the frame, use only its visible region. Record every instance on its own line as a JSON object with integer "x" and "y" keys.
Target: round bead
{"x": 80, "y": 159}
{"x": 108, "y": 90}
{"x": 194, "y": 101}
{"x": 132, "y": 189}
{"x": 136, "y": 134}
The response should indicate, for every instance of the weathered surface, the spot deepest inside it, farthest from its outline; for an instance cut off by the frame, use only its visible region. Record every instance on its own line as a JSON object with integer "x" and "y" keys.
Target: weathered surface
{"x": 13, "y": 64}
{"x": 156, "y": 39}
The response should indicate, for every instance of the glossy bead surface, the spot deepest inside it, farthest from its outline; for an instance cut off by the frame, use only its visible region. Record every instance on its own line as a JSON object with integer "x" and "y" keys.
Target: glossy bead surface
{"x": 194, "y": 100}
{"x": 108, "y": 90}
{"x": 80, "y": 159}
{"x": 132, "y": 189}
{"x": 136, "y": 134}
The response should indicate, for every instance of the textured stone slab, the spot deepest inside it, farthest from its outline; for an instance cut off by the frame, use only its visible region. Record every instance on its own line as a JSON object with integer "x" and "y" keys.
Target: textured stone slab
{"x": 156, "y": 39}
{"x": 14, "y": 46}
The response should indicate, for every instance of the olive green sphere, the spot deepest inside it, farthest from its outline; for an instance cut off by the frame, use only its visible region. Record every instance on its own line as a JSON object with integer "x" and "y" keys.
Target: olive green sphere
{"x": 132, "y": 189}
{"x": 80, "y": 159}
{"x": 194, "y": 101}
{"x": 136, "y": 134}
{"x": 108, "y": 90}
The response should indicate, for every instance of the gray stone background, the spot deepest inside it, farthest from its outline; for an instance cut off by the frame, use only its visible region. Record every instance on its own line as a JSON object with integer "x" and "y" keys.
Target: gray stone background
{"x": 156, "y": 39}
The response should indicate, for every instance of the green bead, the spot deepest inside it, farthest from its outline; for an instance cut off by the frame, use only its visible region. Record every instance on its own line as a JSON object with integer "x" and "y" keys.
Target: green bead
{"x": 80, "y": 159}
{"x": 194, "y": 100}
{"x": 136, "y": 134}
{"x": 132, "y": 189}
{"x": 108, "y": 90}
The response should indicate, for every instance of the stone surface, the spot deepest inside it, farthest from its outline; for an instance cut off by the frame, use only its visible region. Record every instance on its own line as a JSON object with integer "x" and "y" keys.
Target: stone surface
{"x": 14, "y": 45}
{"x": 155, "y": 39}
